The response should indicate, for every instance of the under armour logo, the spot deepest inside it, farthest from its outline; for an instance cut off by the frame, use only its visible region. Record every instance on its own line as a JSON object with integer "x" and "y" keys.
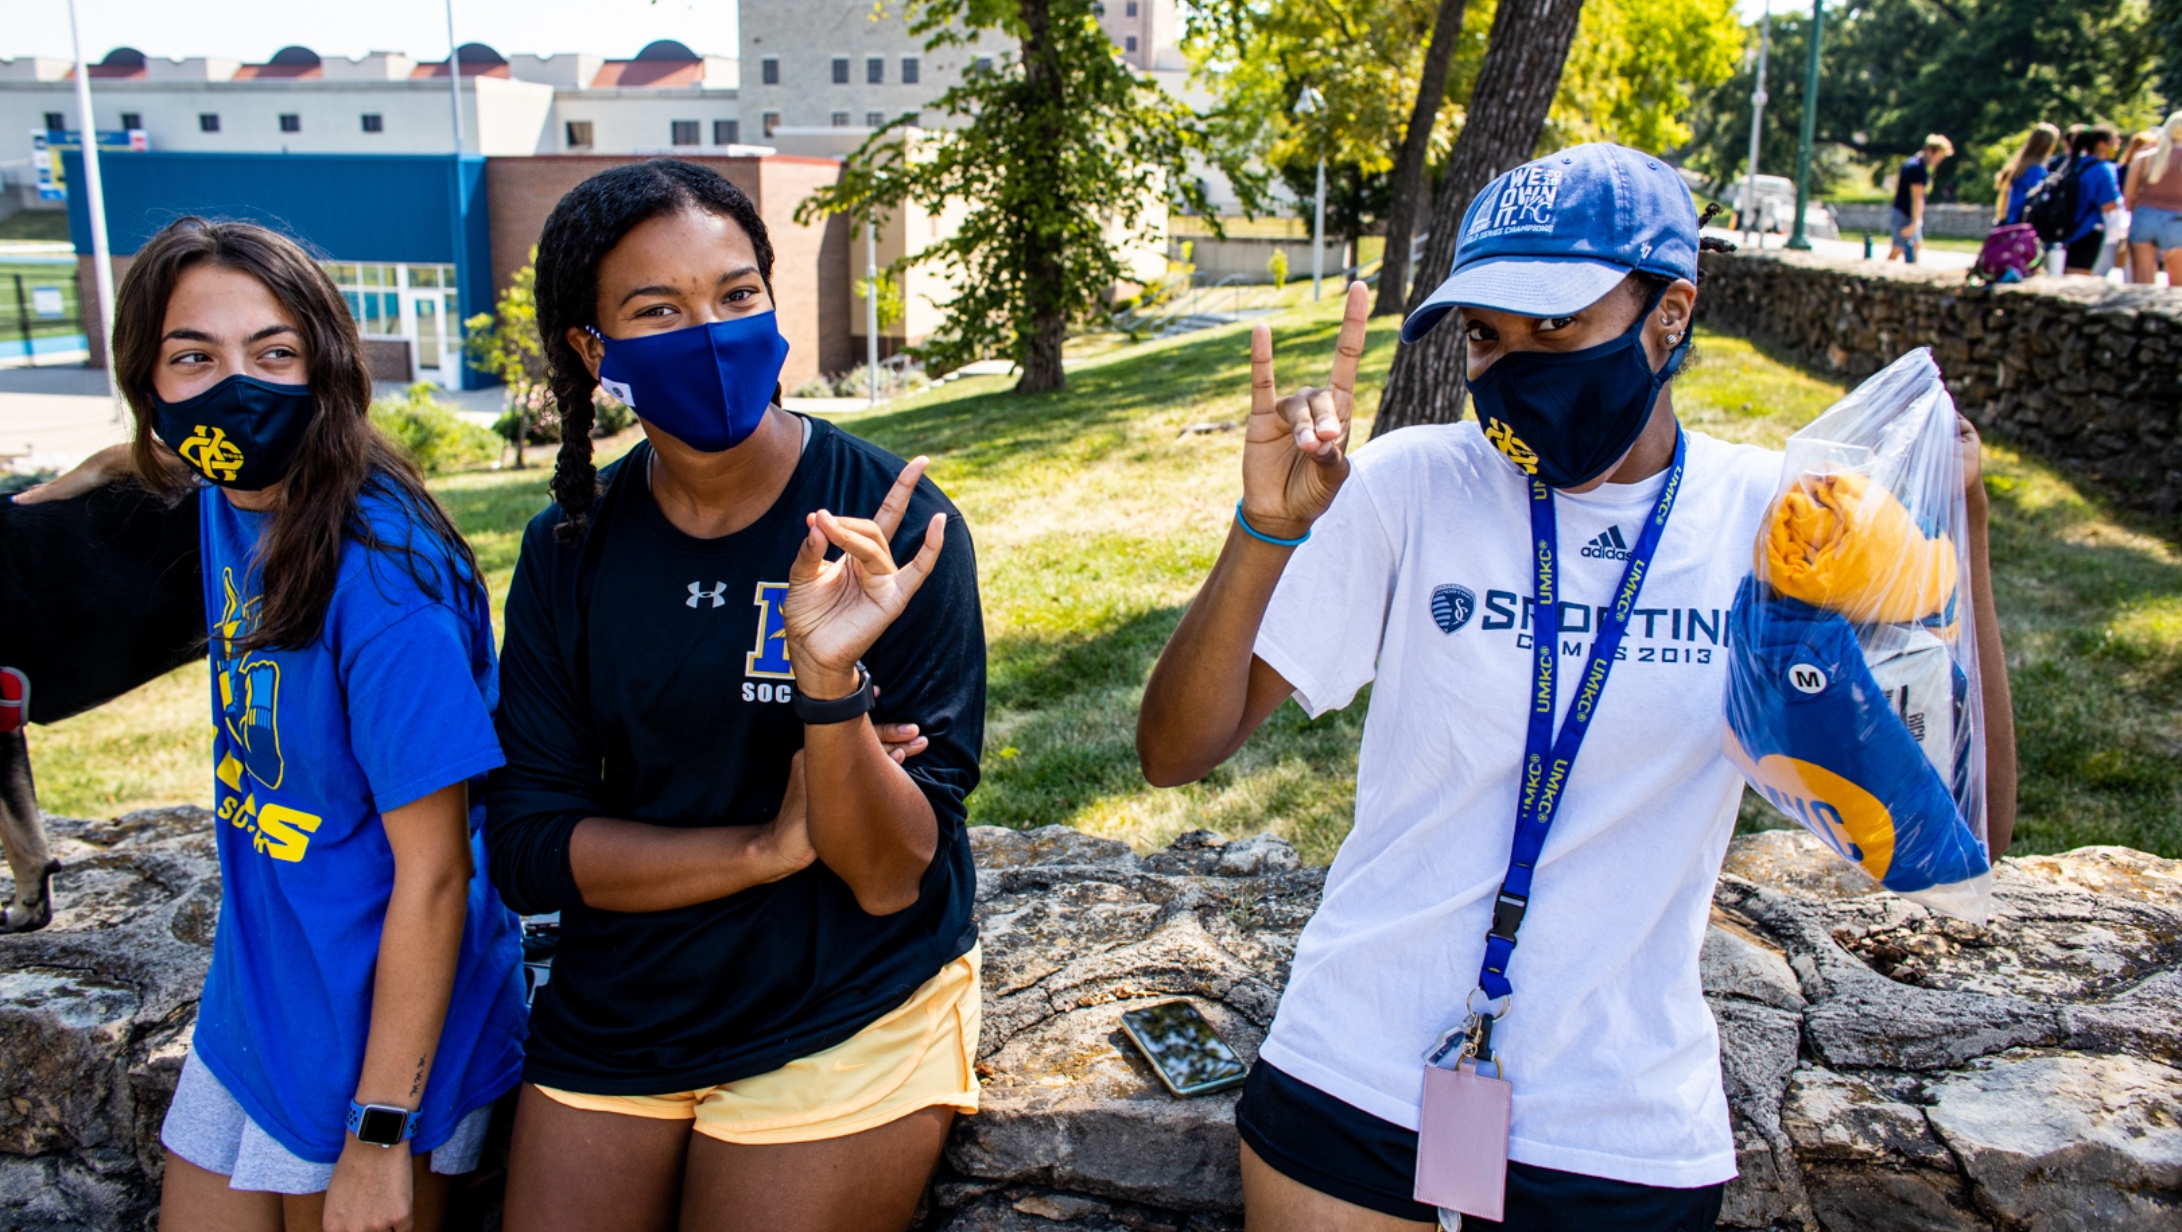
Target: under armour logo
{"x": 718, "y": 594}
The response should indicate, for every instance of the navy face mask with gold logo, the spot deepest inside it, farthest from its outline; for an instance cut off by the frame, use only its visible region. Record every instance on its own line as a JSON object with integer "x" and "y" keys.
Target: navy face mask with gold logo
{"x": 242, "y": 433}
{"x": 1568, "y": 417}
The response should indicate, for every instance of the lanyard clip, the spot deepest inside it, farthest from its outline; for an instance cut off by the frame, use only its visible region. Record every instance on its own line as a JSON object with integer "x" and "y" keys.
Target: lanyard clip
{"x": 1507, "y": 916}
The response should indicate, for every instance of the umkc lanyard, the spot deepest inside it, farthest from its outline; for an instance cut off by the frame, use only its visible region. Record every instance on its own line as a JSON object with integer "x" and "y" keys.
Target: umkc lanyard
{"x": 1548, "y": 758}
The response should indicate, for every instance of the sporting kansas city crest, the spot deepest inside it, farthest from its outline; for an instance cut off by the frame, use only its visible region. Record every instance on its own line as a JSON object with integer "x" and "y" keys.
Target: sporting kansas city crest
{"x": 1452, "y": 606}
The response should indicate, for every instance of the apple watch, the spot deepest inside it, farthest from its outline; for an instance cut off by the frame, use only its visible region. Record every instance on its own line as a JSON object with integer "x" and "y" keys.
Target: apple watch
{"x": 382, "y": 1124}
{"x": 839, "y": 709}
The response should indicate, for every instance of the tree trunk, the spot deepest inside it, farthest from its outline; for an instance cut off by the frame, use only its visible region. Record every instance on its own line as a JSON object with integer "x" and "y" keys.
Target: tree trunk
{"x": 1044, "y": 267}
{"x": 1042, "y": 355}
{"x": 1515, "y": 89}
{"x": 1403, "y": 208}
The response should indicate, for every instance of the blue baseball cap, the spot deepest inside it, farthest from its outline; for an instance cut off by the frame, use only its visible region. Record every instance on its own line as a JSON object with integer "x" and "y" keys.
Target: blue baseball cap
{"x": 1553, "y": 235}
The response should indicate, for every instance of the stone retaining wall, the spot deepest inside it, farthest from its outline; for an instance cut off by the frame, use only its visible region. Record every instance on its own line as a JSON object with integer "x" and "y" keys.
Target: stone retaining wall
{"x": 2083, "y": 372}
{"x": 1969, "y": 222}
{"x": 1887, "y": 1070}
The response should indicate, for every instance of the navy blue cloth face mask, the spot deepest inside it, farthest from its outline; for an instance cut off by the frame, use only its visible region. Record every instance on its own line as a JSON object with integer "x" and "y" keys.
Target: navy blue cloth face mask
{"x": 1567, "y": 418}
{"x": 242, "y": 433}
{"x": 707, "y": 386}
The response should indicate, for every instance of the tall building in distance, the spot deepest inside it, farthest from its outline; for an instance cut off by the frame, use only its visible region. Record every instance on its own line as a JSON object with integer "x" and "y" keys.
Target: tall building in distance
{"x": 844, "y": 64}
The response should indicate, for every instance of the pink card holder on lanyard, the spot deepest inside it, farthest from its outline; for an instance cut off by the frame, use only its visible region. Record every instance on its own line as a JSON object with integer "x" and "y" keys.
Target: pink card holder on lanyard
{"x": 1462, "y": 1140}
{"x": 1462, "y": 1133}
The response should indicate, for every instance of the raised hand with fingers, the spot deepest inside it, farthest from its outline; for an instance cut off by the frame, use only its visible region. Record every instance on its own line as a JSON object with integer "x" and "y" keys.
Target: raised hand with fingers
{"x": 837, "y": 608}
{"x": 1295, "y": 454}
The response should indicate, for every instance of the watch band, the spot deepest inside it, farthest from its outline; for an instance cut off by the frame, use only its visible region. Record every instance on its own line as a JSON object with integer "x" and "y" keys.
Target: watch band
{"x": 840, "y": 709}
{"x": 373, "y": 1124}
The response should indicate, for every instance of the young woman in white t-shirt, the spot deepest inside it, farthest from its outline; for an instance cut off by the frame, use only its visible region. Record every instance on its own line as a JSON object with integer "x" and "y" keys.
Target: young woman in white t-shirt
{"x": 1576, "y": 280}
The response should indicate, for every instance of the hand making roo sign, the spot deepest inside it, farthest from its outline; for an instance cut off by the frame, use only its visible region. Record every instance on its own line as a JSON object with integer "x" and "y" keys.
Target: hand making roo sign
{"x": 837, "y": 608}
{"x": 1295, "y": 454}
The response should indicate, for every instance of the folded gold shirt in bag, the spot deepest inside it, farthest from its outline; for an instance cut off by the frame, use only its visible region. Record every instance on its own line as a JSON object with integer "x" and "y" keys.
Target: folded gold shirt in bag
{"x": 1840, "y": 542}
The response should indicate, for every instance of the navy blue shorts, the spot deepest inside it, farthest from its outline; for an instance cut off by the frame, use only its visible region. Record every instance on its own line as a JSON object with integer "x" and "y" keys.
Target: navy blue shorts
{"x": 1344, "y": 1152}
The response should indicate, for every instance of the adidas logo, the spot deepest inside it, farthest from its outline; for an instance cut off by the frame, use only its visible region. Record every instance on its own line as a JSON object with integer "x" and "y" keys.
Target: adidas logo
{"x": 1609, "y": 545}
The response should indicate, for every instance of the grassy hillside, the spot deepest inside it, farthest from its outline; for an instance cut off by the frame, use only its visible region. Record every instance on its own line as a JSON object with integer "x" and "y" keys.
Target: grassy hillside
{"x": 1096, "y": 515}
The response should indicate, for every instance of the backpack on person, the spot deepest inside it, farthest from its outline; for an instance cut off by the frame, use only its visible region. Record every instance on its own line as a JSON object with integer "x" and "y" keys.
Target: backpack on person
{"x": 2009, "y": 255}
{"x": 2050, "y": 208}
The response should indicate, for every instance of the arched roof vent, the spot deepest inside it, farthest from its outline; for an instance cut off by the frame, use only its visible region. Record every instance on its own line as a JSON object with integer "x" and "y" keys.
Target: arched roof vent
{"x": 667, "y": 49}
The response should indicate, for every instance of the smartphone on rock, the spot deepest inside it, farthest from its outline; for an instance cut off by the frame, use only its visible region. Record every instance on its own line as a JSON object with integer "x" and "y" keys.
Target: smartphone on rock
{"x": 1187, "y": 1054}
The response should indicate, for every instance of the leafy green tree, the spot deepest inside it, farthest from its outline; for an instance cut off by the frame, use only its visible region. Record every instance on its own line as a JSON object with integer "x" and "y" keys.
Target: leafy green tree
{"x": 1063, "y": 155}
{"x": 505, "y": 342}
{"x": 1978, "y": 71}
{"x": 1637, "y": 66}
{"x": 2166, "y": 22}
{"x": 1366, "y": 59}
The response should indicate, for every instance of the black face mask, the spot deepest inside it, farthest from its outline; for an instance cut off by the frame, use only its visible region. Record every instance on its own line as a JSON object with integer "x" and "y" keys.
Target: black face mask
{"x": 242, "y": 433}
{"x": 1568, "y": 418}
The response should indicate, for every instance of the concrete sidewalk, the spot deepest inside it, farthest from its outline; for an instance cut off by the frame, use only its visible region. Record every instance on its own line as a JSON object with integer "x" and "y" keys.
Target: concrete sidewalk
{"x": 53, "y": 418}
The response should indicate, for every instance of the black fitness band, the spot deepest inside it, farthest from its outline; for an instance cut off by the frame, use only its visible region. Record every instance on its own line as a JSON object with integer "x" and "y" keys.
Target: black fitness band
{"x": 839, "y": 709}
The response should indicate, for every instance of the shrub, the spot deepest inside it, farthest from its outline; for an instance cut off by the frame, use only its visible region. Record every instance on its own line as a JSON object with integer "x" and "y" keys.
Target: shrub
{"x": 432, "y": 436}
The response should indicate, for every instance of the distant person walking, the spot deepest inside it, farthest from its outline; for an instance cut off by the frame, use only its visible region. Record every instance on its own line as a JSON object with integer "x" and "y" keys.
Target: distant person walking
{"x": 2022, "y": 173}
{"x": 2098, "y": 196}
{"x": 2154, "y": 201}
{"x": 1909, "y": 191}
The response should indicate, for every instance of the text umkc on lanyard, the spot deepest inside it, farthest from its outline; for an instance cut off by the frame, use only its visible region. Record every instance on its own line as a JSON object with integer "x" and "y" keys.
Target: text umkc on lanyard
{"x": 1462, "y": 1138}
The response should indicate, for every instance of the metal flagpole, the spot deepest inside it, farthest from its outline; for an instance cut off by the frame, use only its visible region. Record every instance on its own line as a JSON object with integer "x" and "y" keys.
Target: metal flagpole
{"x": 1757, "y": 128}
{"x": 454, "y": 75}
{"x": 1798, "y": 240}
{"x": 94, "y": 201}
{"x": 871, "y": 304}
{"x": 1318, "y": 233}
{"x": 1310, "y": 103}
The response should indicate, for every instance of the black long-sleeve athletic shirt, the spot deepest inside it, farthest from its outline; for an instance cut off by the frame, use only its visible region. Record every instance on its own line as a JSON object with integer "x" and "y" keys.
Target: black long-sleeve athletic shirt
{"x": 645, "y": 676}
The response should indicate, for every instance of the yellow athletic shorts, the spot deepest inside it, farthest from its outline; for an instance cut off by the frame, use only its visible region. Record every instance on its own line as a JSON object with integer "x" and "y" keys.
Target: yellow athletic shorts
{"x": 922, "y": 1054}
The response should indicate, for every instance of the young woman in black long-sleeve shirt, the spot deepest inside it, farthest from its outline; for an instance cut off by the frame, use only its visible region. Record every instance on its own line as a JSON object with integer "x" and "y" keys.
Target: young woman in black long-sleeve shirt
{"x": 764, "y": 1007}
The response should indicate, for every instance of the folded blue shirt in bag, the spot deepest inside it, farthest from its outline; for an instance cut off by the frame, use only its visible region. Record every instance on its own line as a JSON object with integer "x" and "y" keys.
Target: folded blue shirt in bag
{"x": 1816, "y": 734}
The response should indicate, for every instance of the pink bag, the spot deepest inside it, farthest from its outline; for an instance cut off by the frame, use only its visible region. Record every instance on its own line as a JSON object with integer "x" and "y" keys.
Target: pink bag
{"x": 2013, "y": 247}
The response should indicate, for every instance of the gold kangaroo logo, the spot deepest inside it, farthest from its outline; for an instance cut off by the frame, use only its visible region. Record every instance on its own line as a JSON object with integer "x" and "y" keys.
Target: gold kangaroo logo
{"x": 209, "y": 450}
{"x": 1504, "y": 438}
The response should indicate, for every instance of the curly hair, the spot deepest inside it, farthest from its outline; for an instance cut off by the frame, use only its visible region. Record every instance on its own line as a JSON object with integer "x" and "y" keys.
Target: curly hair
{"x": 585, "y": 226}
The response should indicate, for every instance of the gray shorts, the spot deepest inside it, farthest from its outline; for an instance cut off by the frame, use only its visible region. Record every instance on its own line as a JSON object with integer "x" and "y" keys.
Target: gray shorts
{"x": 208, "y": 1128}
{"x": 1900, "y": 219}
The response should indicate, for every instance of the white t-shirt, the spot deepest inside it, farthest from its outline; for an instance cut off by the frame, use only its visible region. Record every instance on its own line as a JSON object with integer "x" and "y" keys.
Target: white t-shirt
{"x": 1418, "y": 577}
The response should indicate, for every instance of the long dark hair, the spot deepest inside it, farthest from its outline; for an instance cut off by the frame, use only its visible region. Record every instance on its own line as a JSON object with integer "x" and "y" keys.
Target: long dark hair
{"x": 341, "y": 454}
{"x": 582, "y": 229}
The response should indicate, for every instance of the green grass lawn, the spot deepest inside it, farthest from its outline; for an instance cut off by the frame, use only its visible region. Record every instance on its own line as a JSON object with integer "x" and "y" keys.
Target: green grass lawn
{"x": 43, "y": 225}
{"x": 1096, "y": 518}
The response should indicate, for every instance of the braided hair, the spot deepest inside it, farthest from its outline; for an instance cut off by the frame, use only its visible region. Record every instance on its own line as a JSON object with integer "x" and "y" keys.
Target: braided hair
{"x": 583, "y": 228}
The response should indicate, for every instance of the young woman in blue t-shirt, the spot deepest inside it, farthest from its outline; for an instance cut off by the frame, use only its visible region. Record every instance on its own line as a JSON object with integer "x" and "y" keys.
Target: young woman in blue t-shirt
{"x": 363, "y": 1009}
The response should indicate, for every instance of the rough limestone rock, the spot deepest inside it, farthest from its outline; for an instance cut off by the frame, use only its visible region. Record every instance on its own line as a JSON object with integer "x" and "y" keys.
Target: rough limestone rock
{"x": 95, "y": 1016}
{"x": 1886, "y": 1068}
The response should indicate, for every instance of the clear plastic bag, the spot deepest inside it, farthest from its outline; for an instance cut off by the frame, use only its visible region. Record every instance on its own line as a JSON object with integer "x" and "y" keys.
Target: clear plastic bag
{"x": 1853, "y": 703}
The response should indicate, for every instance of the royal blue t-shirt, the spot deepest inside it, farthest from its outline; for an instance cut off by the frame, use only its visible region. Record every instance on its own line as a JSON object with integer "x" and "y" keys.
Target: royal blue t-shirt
{"x": 2019, "y": 190}
{"x": 393, "y": 702}
{"x": 2096, "y": 188}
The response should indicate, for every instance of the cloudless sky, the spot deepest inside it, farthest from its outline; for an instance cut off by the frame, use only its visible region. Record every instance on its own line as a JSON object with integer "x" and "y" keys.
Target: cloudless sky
{"x": 252, "y": 30}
